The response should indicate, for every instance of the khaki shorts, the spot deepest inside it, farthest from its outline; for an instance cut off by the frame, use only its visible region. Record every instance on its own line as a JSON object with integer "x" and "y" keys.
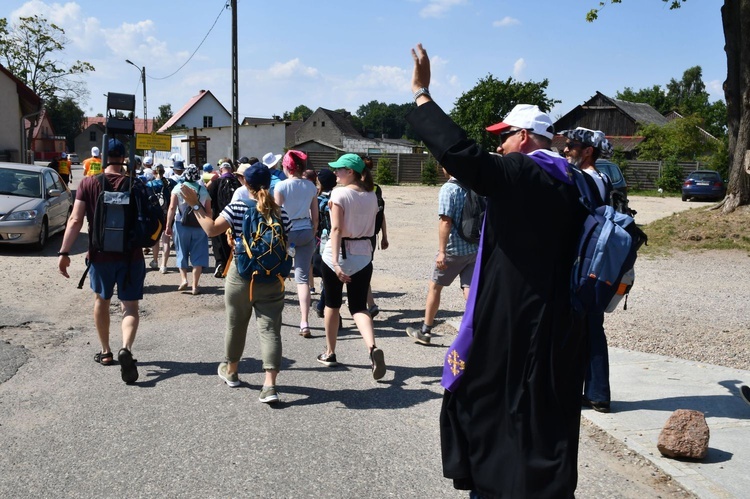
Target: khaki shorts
{"x": 462, "y": 266}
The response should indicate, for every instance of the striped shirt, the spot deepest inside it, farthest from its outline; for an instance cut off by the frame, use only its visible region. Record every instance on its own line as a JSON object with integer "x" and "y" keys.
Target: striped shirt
{"x": 234, "y": 213}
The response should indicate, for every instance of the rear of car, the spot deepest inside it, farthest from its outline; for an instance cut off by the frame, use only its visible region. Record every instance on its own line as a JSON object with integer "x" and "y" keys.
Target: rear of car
{"x": 619, "y": 185}
{"x": 73, "y": 158}
{"x": 34, "y": 204}
{"x": 704, "y": 184}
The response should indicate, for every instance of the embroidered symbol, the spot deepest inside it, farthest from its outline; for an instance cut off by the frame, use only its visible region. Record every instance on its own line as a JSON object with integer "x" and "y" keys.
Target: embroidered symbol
{"x": 456, "y": 364}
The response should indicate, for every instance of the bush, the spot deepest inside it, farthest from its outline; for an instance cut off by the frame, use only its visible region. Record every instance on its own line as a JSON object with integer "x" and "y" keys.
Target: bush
{"x": 671, "y": 176}
{"x": 430, "y": 172}
{"x": 383, "y": 173}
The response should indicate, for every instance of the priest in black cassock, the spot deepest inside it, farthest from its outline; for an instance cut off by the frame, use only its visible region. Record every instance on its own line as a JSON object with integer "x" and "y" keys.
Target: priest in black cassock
{"x": 513, "y": 377}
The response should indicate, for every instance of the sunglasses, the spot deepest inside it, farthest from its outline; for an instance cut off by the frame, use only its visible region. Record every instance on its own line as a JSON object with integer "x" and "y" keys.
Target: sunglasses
{"x": 573, "y": 145}
{"x": 506, "y": 135}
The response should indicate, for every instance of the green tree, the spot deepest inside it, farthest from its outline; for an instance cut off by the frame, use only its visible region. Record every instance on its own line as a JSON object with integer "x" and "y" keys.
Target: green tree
{"x": 31, "y": 51}
{"x": 679, "y": 139}
{"x": 165, "y": 114}
{"x": 430, "y": 171}
{"x": 735, "y": 17}
{"x": 66, "y": 118}
{"x": 385, "y": 120}
{"x": 300, "y": 113}
{"x": 383, "y": 173}
{"x": 491, "y": 99}
{"x": 655, "y": 96}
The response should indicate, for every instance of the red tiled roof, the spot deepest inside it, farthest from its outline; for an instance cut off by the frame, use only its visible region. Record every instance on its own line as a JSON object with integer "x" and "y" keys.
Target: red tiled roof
{"x": 183, "y": 111}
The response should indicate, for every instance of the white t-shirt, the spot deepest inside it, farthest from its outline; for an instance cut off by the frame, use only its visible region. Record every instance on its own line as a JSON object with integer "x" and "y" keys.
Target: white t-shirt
{"x": 298, "y": 195}
{"x": 182, "y": 205}
{"x": 240, "y": 193}
{"x": 359, "y": 221}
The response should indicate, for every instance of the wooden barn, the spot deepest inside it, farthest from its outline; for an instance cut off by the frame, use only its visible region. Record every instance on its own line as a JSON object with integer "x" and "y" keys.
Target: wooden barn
{"x": 620, "y": 120}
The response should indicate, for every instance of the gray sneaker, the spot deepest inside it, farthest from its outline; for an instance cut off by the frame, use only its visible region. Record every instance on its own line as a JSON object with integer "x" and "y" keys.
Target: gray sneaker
{"x": 418, "y": 336}
{"x": 378, "y": 362}
{"x": 230, "y": 379}
{"x": 268, "y": 395}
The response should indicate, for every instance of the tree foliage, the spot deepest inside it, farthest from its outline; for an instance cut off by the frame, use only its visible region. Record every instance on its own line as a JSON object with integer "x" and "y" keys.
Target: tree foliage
{"x": 165, "y": 114}
{"x": 300, "y": 113}
{"x": 385, "y": 120}
{"x": 491, "y": 99}
{"x": 31, "y": 51}
{"x": 66, "y": 118}
{"x": 680, "y": 139}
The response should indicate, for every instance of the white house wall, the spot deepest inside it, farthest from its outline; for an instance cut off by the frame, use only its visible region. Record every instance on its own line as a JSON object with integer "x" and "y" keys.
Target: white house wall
{"x": 10, "y": 116}
{"x": 254, "y": 140}
{"x": 205, "y": 107}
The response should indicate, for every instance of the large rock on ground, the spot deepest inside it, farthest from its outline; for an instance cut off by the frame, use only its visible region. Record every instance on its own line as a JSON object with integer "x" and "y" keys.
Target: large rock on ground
{"x": 685, "y": 434}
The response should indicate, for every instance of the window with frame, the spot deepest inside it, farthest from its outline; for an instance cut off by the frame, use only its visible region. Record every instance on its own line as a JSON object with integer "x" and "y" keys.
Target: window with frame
{"x": 92, "y": 136}
{"x": 208, "y": 121}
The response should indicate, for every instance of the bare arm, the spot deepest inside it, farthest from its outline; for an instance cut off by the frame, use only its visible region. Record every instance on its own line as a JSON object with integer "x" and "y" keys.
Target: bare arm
{"x": 171, "y": 214}
{"x": 210, "y": 226}
{"x": 383, "y": 234}
{"x": 337, "y": 222}
{"x": 314, "y": 215}
{"x": 421, "y": 76}
{"x": 75, "y": 223}
{"x": 444, "y": 230}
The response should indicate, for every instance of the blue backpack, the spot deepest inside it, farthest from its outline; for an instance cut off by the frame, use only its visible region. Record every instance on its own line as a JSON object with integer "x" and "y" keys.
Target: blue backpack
{"x": 607, "y": 249}
{"x": 261, "y": 250}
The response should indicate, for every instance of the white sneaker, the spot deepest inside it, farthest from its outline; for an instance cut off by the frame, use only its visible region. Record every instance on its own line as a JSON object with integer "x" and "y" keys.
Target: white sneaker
{"x": 163, "y": 270}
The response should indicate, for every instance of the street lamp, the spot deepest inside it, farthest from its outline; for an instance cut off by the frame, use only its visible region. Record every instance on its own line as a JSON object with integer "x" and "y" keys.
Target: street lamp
{"x": 143, "y": 79}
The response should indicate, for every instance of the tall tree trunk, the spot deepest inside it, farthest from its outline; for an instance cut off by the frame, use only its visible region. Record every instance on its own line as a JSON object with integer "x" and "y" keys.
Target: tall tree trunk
{"x": 735, "y": 16}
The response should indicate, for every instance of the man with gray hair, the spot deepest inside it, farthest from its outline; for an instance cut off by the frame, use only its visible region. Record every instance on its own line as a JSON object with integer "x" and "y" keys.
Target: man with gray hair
{"x": 510, "y": 419}
{"x": 582, "y": 148}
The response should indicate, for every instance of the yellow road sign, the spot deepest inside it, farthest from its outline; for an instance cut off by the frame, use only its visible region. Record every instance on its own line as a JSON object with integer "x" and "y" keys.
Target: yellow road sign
{"x": 155, "y": 141}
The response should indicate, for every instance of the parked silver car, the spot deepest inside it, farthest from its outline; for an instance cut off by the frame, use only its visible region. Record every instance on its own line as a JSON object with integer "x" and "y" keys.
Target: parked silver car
{"x": 34, "y": 204}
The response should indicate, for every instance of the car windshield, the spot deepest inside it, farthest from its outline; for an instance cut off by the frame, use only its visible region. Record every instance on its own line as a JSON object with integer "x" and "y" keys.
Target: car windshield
{"x": 20, "y": 183}
{"x": 705, "y": 176}
{"x": 608, "y": 168}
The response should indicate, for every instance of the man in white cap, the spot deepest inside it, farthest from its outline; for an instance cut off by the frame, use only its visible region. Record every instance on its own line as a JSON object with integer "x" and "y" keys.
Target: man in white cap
{"x": 513, "y": 376}
{"x": 582, "y": 148}
{"x": 93, "y": 165}
{"x": 271, "y": 160}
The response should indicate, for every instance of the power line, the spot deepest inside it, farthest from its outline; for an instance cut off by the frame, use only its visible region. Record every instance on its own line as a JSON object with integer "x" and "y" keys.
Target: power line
{"x": 223, "y": 8}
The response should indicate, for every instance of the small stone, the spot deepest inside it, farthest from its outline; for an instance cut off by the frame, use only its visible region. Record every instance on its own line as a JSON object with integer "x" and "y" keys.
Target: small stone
{"x": 685, "y": 435}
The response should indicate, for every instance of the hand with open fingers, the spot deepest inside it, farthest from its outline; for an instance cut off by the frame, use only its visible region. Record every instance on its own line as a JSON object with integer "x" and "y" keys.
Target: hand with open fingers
{"x": 189, "y": 195}
{"x": 341, "y": 275}
{"x": 421, "y": 76}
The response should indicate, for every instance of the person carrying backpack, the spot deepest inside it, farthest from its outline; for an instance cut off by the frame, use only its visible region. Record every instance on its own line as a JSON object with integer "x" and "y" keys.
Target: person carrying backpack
{"x": 582, "y": 148}
{"x": 380, "y": 228}
{"x": 126, "y": 269}
{"x": 221, "y": 191}
{"x": 243, "y": 296}
{"x": 456, "y": 257}
{"x": 162, "y": 189}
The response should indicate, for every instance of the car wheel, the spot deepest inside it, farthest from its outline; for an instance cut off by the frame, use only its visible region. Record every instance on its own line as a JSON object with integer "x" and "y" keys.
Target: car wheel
{"x": 43, "y": 235}
{"x": 684, "y": 197}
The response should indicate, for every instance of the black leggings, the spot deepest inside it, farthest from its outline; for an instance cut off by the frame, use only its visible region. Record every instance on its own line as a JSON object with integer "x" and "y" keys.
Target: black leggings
{"x": 356, "y": 290}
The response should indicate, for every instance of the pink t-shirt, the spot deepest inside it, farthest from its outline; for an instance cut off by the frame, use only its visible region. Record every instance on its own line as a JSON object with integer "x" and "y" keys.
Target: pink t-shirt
{"x": 360, "y": 209}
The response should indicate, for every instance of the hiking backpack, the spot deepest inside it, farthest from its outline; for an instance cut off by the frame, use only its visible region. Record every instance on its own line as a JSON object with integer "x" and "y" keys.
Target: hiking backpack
{"x": 164, "y": 195}
{"x": 607, "y": 249}
{"x": 472, "y": 215}
{"x": 225, "y": 191}
{"x": 125, "y": 220}
{"x": 261, "y": 250}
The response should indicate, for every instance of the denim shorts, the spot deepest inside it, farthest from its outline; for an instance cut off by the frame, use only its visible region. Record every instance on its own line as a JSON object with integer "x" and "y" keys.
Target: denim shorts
{"x": 128, "y": 276}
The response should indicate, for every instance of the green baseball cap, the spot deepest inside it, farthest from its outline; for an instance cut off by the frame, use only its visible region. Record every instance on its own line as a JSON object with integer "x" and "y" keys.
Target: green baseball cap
{"x": 351, "y": 161}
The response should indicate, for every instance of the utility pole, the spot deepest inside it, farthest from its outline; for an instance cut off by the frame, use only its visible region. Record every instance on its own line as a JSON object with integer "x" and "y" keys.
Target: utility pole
{"x": 143, "y": 80}
{"x": 235, "y": 91}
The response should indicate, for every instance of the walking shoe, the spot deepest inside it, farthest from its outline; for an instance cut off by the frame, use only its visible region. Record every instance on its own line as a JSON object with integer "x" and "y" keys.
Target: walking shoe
{"x": 163, "y": 270}
{"x": 418, "y": 336}
{"x": 378, "y": 362}
{"x": 154, "y": 264}
{"x": 268, "y": 395}
{"x": 374, "y": 311}
{"x": 328, "y": 359}
{"x": 127, "y": 366}
{"x": 219, "y": 272}
{"x": 745, "y": 392}
{"x": 320, "y": 312}
{"x": 597, "y": 406}
{"x": 230, "y": 379}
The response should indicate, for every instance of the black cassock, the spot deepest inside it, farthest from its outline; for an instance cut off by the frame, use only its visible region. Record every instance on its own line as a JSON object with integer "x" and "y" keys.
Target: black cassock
{"x": 511, "y": 427}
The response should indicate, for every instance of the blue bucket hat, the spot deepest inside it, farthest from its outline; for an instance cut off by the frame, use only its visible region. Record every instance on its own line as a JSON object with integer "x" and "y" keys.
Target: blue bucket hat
{"x": 258, "y": 176}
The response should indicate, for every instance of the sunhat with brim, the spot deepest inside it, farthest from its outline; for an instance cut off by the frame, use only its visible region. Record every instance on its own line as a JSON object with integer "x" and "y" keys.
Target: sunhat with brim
{"x": 270, "y": 159}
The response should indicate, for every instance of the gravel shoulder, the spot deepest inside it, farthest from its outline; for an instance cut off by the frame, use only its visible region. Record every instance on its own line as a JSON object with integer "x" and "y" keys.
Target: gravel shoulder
{"x": 687, "y": 305}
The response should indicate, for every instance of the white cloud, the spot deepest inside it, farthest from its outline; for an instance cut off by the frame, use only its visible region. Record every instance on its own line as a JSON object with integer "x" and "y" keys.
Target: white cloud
{"x": 505, "y": 22}
{"x": 290, "y": 69}
{"x": 716, "y": 89}
{"x": 518, "y": 68}
{"x": 438, "y": 8}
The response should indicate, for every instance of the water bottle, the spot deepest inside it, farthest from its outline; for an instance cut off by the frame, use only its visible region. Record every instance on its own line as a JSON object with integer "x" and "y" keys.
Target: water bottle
{"x": 239, "y": 248}
{"x": 291, "y": 250}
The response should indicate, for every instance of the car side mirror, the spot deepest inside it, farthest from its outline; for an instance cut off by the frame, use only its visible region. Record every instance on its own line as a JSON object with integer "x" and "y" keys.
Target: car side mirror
{"x": 53, "y": 193}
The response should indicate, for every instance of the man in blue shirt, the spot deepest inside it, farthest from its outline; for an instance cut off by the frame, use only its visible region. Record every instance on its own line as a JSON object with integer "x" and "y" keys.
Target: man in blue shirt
{"x": 455, "y": 256}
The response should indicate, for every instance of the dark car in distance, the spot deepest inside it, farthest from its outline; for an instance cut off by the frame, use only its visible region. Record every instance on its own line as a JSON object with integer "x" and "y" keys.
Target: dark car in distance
{"x": 704, "y": 184}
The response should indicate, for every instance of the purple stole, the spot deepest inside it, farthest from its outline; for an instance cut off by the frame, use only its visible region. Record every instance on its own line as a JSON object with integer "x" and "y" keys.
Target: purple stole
{"x": 455, "y": 358}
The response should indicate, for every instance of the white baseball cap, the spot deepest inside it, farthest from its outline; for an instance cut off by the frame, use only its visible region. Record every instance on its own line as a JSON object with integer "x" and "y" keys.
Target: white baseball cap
{"x": 527, "y": 116}
{"x": 95, "y": 151}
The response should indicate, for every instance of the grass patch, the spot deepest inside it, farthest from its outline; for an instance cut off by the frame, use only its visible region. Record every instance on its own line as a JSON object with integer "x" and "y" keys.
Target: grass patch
{"x": 699, "y": 229}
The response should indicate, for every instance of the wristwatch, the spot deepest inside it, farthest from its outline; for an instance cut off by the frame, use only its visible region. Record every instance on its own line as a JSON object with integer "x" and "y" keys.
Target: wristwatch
{"x": 196, "y": 207}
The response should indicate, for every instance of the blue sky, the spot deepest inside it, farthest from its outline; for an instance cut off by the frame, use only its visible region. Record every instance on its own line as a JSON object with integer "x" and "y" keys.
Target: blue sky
{"x": 342, "y": 54}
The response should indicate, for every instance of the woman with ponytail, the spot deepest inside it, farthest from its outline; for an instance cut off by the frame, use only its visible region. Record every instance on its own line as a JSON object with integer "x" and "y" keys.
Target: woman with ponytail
{"x": 267, "y": 299}
{"x": 299, "y": 197}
